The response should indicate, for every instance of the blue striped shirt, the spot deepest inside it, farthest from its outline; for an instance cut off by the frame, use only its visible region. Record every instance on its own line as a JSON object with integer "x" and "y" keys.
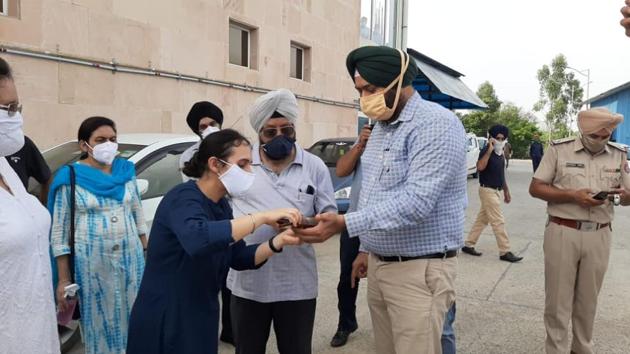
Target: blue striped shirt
{"x": 413, "y": 194}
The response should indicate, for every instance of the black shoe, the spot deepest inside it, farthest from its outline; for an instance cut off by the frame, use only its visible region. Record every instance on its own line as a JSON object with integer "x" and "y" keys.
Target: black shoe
{"x": 510, "y": 257}
{"x": 340, "y": 338}
{"x": 471, "y": 251}
{"x": 227, "y": 338}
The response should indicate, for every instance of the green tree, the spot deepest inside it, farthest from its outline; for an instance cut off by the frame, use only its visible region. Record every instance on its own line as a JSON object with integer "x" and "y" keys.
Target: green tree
{"x": 522, "y": 125}
{"x": 560, "y": 97}
{"x": 478, "y": 122}
{"x": 522, "y": 129}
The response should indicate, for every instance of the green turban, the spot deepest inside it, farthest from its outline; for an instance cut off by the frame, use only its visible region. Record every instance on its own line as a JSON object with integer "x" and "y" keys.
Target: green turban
{"x": 379, "y": 65}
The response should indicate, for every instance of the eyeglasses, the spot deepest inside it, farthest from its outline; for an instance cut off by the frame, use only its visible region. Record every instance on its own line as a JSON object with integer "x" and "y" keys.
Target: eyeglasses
{"x": 12, "y": 108}
{"x": 270, "y": 133}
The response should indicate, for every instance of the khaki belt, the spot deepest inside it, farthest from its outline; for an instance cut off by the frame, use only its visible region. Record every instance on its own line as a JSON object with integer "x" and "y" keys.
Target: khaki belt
{"x": 579, "y": 225}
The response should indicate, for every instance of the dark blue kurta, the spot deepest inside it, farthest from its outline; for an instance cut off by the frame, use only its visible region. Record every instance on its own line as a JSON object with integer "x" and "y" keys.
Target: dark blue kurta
{"x": 190, "y": 249}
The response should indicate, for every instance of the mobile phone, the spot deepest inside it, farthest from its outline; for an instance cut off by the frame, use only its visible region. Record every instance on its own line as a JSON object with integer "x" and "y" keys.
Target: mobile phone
{"x": 601, "y": 195}
{"x": 308, "y": 222}
{"x": 284, "y": 222}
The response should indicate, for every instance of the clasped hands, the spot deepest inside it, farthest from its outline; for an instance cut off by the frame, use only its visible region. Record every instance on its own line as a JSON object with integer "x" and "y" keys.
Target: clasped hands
{"x": 328, "y": 224}
{"x": 296, "y": 229}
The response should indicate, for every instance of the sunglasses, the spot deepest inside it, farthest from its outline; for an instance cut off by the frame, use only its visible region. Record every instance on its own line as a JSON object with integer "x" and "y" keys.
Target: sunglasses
{"x": 12, "y": 108}
{"x": 270, "y": 133}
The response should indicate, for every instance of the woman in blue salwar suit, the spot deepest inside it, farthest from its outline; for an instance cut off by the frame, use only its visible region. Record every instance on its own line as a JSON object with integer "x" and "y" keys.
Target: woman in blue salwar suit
{"x": 194, "y": 240}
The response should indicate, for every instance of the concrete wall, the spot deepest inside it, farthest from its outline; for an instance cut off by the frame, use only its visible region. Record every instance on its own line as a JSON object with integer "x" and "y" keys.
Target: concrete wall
{"x": 187, "y": 36}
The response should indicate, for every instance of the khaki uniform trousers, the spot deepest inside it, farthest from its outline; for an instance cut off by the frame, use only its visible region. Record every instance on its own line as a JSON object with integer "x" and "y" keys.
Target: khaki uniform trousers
{"x": 575, "y": 264}
{"x": 490, "y": 213}
{"x": 408, "y": 302}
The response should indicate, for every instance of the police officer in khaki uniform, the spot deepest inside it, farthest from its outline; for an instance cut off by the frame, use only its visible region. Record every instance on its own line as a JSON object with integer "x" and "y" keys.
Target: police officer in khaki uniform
{"x": 578, "y": 233}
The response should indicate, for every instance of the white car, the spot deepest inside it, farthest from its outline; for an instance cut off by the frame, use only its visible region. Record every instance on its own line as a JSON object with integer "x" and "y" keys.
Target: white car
{"x": 482, "y": 142}
{"x": 156, "y": 157}
{"x": 472, "y": 154}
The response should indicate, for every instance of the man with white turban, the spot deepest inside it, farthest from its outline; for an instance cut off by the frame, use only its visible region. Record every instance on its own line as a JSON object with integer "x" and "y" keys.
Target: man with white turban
{"x": 284, "y": 290}
{"x": 570, "y": 178}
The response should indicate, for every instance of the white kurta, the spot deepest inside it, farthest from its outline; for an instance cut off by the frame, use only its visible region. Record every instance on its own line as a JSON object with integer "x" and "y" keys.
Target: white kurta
{"x": 28, "y": 323}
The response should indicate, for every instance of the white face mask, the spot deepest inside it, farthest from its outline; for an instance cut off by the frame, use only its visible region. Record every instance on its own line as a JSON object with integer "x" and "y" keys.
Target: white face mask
{"x": 209, "y": 130}
{"x": 104, "y": 153}
{"x": 236, "y": 180}
{"x": 11, "y": 134}
{"x": 498, "y": 146}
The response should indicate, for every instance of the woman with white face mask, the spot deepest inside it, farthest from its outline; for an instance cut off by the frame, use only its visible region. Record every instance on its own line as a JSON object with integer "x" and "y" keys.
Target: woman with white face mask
{"x": 109, "y": 236}
{"x": 26, "y": 298}
{"x": 194, "y": 240}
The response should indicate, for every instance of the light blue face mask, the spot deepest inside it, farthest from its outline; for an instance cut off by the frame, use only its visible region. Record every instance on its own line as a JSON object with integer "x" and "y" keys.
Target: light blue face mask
{"x": 236, "y": 180}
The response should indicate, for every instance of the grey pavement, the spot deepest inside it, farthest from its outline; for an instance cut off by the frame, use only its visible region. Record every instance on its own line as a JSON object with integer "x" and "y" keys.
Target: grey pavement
{"x": 499, "y": 305}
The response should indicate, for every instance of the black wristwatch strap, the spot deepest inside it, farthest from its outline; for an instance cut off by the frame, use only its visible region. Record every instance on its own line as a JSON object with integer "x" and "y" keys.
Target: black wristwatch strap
{"x": 273, "y": 248}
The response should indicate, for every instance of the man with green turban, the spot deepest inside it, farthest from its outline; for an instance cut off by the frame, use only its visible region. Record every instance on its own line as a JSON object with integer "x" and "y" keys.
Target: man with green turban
{"x": 410, "y": 214}
{"x": 379, "y": 65}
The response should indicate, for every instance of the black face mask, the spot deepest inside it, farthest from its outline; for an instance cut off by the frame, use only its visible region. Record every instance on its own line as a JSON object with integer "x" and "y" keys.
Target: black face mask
{"x": 279, "y": 148}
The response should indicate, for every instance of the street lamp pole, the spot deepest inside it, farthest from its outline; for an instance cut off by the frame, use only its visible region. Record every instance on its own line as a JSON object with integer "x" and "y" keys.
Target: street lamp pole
{"x": 588, "y": 80}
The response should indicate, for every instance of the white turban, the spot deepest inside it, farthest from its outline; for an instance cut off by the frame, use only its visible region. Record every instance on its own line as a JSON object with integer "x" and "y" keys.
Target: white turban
{"x": 282, "y": 101}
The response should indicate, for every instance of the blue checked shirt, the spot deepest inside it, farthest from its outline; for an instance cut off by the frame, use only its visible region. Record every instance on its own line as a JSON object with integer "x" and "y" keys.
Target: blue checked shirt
{"x": 414, "y": 184}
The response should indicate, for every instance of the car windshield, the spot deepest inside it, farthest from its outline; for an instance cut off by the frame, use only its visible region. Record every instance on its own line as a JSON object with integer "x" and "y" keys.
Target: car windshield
{"x": 330, "y": 151}
{"x": 69, "y": 153}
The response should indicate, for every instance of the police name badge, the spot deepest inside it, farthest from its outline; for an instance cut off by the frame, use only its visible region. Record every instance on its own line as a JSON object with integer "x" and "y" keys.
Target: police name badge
{"x": 574, "y": 164}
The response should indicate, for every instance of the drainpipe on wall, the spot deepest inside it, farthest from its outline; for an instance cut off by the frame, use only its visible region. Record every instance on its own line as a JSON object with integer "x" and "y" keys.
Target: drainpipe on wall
{"x": 115, "y": 67}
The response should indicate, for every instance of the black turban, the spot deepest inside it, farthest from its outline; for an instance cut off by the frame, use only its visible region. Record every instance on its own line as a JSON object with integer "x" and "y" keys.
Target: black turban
{"x": 499, "y": 129}
{"x": 201, "y": 110}
{"x": 380, "y": 65}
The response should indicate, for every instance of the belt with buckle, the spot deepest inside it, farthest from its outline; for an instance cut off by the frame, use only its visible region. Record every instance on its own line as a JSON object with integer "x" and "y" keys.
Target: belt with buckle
{"x": 578, "y": 225}
{"x": 491, "y": 187}
{"x": 447, "y": 254}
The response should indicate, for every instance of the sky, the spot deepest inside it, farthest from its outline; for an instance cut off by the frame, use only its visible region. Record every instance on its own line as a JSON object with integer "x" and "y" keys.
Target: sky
{"x": 505, "y": 42}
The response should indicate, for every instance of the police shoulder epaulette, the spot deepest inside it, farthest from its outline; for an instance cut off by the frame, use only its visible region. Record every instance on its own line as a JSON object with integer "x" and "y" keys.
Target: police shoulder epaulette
{"x": 621, "y": 147}
{"x": 562, "y": 141}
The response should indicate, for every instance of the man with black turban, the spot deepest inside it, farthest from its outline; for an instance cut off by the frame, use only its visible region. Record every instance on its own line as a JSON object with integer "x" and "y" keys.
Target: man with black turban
{"x": 491, "y": 168}
{"x": 203, "y": 119}
{"x": 410, "y": 213}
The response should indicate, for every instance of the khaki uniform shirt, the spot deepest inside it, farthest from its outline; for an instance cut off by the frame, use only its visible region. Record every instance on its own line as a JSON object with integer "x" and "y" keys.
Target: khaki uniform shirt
{"x": 568, "y": 165}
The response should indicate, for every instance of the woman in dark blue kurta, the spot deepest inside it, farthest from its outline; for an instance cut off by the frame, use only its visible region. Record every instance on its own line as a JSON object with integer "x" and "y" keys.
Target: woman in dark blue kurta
{"x": 193, "y": 242}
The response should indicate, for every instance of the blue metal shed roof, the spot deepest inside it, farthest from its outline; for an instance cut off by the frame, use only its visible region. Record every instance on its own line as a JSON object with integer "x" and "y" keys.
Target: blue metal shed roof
{"x": 608, "y": 93}
{"x": 438, "y": 83}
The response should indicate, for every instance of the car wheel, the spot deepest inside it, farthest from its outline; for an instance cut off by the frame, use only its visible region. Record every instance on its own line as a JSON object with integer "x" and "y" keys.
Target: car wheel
{"x": 69, "y": 336}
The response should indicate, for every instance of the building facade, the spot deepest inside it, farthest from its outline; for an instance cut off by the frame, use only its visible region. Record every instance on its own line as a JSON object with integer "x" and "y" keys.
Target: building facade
{"x": 143, "y": 63}
{"x": 616, "y": 100}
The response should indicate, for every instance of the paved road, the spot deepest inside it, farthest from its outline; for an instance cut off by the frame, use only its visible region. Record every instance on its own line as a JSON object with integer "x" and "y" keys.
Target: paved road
{"x": 499, "y": 305}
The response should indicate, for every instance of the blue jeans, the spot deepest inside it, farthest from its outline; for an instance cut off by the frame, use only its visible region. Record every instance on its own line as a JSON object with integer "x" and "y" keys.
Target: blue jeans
{"x": 448, "y": 332}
